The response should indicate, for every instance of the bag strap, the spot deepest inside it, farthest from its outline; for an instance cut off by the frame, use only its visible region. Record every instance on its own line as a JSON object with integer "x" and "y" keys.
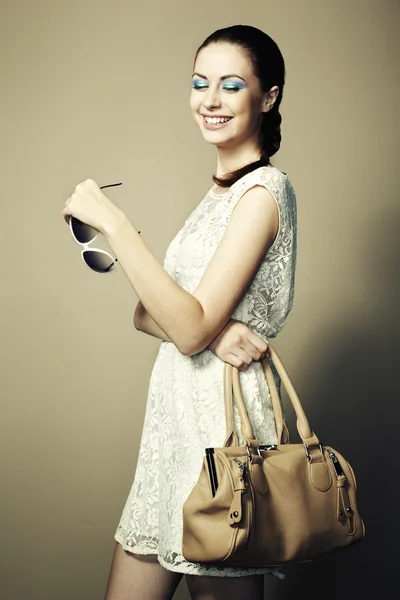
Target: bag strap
{"x": 231, "y": 435}
{"x": 281, "y": 427}
{"x": 231, "y": 379}
{"x": 282, "y": 431}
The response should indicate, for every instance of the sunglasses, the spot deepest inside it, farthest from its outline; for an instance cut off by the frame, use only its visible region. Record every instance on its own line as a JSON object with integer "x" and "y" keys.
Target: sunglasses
{"x": 95, "y": 259}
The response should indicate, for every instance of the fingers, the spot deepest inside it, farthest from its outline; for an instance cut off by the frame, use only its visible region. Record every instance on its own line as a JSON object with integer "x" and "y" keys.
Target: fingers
{"x": 247, "y": 347}
{"x": 237, "y": 362}
{"x": 254, "y": 345}
{"x": 66, "y": 215}
{"x": 257, "y": 349}
{"x": 241, "y": 336}
{"x": 238, "y": 345}
{"x": 242, "y": 358}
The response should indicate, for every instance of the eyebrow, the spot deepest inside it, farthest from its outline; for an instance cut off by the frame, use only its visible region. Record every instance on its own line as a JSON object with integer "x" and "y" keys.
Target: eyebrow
{"x": 221, "y": 78}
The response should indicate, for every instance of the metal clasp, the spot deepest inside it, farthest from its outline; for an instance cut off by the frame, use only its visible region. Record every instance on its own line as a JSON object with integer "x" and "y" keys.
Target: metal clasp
{"x": 249, "y": 454}
{"x": 308, "y": 454}
{"x": 268, "y": 447}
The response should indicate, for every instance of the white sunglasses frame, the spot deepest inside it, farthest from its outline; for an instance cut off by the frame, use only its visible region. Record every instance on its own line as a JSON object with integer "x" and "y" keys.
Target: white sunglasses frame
{"x": 86, "y": 248}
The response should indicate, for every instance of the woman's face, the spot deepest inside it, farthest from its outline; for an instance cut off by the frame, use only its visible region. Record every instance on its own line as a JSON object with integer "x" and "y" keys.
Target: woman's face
{"x": 238, "y": 96}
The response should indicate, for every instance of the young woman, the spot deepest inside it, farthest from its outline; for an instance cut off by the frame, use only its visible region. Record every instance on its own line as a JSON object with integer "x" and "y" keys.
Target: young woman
{"x": 227, "y": 285}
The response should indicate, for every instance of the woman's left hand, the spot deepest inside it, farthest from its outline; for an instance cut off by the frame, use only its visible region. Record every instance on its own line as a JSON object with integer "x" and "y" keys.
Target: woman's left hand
{"x": 91, "y": 206}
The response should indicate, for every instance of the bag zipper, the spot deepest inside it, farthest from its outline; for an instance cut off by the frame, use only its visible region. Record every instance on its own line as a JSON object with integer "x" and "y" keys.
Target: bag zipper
{"x": 345, "y": 512}
{"x": 246, "y": 488}
{"x": 336, "y": 464}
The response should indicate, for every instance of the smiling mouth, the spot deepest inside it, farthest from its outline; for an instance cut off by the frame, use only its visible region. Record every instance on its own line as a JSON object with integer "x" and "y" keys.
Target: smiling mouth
{"x": 216, "y": 120}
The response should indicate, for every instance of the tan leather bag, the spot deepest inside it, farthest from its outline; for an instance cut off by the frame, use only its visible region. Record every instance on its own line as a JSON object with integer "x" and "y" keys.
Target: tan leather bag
{"x": 272, "y": 505}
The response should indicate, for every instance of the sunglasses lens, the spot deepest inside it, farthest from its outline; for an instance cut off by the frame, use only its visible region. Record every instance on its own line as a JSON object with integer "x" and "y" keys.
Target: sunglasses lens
{"x": 83, "y": 233}
{"x": 99, "y": 262}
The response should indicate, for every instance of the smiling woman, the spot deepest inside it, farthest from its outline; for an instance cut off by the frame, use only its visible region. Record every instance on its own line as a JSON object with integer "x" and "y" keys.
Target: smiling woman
{"x": 250, "y": 93}
{"x": 225, "y": 288}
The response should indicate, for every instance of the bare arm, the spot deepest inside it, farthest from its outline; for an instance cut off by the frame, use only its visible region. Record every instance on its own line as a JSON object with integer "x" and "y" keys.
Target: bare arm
{"x": 192, "y": 321}
{"x": 236, "y": 344}
{"x": 143, "y": 322}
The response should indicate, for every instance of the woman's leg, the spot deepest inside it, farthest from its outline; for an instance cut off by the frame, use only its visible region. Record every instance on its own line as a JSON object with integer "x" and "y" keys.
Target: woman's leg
{"x": 134, "y": 577}
{"x": 250, "y": 587}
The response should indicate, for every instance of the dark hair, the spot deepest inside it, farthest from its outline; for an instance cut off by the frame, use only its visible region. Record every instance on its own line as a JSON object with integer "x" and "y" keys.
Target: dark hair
{"x": 269, "y": 67}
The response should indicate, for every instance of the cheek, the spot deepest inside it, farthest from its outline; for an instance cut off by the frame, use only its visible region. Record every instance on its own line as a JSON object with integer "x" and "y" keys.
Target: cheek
{"x": 244, "y": 117}
{"x": 194, "y": 102}
{"x": 242, "y": 108}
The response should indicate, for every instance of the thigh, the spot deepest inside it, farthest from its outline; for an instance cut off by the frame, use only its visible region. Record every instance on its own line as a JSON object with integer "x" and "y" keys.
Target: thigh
{"x": 250, "y": 587}
{"x": 134, "y": 576}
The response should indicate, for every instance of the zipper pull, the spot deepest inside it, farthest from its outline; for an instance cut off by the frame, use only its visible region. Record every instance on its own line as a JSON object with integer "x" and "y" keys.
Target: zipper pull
{"x": 345, "y": 513}
{"x": 235, "y": 511}
{"x": 336, "y": 464}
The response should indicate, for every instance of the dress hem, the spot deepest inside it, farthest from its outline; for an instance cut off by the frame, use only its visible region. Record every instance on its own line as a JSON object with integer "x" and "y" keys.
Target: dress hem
{"x": 223, "y": 572}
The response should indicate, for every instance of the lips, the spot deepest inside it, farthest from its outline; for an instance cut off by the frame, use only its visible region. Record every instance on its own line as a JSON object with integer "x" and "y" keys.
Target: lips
{"x": 218, "y": 125}
{"x": 216, "y": 116}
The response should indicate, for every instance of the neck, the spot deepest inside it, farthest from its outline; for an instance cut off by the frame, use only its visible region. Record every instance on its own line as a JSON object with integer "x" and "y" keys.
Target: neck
{"x": 231, "y": 159}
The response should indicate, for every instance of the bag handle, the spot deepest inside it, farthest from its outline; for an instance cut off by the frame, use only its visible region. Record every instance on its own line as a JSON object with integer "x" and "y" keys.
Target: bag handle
{"x": 281, "y": 427}
{"x": 231, "y": 435}
{"x": 282, "y": 431}
{"x": 231, "y": 379}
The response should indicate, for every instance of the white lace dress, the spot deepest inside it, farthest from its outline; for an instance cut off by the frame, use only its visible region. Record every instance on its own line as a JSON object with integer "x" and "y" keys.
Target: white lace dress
{"x": 185, "y": 407}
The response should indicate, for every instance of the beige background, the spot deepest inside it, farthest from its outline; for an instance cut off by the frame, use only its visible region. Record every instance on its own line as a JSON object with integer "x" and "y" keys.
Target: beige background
{"x": 101, "y": 89}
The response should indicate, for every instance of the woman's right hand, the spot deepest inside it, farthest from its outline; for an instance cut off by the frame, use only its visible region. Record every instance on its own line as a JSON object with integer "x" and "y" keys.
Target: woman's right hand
{"x": 238, "y": 345}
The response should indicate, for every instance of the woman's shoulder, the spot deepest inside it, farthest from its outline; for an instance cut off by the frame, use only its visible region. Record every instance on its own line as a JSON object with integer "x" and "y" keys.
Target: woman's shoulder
{"x": 272, "y": 174}
{"x": 264, "y": 174}
{"x": 271, "y": 177}
{"x": 276, "y": 181}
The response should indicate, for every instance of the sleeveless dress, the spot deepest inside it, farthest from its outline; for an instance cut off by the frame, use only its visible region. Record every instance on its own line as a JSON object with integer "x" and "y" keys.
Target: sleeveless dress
{"x": 185, "y": 405}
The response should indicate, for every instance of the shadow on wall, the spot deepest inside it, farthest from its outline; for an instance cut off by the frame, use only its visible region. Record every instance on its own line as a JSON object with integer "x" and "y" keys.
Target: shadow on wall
{"x": 354, "y": 407}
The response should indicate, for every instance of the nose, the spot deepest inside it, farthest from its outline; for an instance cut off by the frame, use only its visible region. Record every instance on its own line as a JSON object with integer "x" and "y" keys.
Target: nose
{"x": 212, "y": 98}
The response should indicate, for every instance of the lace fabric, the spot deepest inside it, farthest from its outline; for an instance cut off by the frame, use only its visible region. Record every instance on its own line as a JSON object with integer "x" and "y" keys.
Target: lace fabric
{"x": 185, "y": 405}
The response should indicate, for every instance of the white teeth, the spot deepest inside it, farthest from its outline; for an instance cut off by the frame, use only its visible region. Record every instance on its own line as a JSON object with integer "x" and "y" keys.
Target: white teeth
{"x": 214, "y": 120}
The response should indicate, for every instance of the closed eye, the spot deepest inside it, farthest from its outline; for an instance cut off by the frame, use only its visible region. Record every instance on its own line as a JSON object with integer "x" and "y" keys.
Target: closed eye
{"x": 230, "y": 88}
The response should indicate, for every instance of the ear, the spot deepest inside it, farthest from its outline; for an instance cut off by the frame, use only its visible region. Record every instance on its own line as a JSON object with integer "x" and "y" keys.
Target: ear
{"x": 270, "y": 98}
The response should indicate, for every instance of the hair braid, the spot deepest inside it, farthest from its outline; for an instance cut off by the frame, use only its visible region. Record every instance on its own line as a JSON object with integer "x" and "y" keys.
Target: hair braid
{"x": 270, "y": 133}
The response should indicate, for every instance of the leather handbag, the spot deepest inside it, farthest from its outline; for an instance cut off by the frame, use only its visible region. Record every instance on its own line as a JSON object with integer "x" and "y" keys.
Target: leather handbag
{"x": 262, "y": 506}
